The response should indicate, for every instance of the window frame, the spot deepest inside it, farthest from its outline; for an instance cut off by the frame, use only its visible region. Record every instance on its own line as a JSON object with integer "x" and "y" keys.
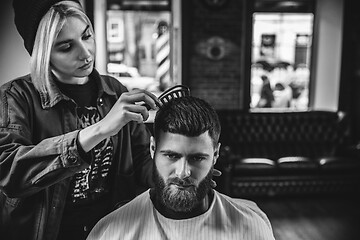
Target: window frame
{"x": 274, "y": 6}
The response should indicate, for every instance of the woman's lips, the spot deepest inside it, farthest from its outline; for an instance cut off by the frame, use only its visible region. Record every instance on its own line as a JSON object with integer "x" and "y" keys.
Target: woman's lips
{"x": 86, "y": 66}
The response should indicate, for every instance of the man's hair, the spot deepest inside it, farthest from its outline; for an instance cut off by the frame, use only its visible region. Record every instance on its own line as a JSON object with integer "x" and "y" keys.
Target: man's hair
{"x": 47, "y": 32}
{"x": 189, "y": 116}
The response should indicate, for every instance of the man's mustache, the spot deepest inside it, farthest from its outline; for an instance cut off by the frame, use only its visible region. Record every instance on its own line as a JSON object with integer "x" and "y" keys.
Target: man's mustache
{"x": 181, "y": 182}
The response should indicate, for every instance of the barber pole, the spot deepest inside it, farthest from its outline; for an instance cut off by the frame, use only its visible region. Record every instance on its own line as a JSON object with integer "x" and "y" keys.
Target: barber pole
{"x": 162, "y": 47}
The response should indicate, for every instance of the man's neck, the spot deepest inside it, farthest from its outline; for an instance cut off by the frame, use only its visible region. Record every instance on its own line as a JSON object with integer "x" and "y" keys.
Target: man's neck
{"x": 201, "y": 208}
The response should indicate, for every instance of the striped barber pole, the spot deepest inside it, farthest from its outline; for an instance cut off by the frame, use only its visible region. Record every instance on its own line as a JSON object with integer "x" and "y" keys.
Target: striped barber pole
{"x": 162, "y": 47}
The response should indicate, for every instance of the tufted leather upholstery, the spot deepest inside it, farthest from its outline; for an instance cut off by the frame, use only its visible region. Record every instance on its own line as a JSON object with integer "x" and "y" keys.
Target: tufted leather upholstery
{"x": 279, "y": 134}
{"x": 272, "y": 153}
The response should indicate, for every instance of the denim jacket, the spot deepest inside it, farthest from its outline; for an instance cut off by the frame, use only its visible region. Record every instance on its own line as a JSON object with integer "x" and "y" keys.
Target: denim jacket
{"x": 39, "y": 155}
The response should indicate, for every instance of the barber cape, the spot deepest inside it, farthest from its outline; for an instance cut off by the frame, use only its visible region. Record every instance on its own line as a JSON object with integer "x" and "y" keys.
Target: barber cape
{"x": 227, "y": 218}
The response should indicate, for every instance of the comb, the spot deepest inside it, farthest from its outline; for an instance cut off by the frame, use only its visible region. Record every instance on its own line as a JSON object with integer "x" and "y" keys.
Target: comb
{"x": 176, "y": 91}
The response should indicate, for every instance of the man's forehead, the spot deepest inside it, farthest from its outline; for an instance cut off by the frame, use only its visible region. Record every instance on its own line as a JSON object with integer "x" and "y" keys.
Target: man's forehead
{"x": 181, "y": 143}
{"x": 169, "y": 136}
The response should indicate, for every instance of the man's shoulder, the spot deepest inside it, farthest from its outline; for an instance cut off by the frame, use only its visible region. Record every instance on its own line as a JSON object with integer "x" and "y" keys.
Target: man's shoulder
{"x": 135, "y": 206}
{"x": 242, "y": 205}
{"x": 245, "y": 213}
{"x": 121, "y": 221}
{"x": 237, "y": 201}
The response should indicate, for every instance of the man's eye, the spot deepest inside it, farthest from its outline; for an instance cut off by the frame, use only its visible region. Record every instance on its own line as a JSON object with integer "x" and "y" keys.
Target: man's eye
{"x": 172, "y": 156}
{"x": 198, "y": 158}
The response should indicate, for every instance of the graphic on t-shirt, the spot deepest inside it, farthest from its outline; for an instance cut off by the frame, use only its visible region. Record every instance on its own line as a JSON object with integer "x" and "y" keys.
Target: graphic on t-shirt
{"x": 90, "y": 183}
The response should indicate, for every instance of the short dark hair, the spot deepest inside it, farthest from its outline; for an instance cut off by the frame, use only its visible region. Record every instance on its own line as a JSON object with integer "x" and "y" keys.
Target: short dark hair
{"x": 189, "y": 116}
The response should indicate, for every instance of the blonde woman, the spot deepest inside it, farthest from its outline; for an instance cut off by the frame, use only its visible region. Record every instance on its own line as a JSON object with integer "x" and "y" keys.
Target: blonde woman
{"x": 72, "y": 142}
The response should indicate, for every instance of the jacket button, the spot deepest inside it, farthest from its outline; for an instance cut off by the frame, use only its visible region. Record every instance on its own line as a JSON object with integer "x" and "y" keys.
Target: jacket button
{"x": 100, "y": 102}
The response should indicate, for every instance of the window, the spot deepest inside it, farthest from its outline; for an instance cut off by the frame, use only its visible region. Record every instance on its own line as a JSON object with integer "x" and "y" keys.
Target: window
{"x": 135, "y": 54}
{"x": 140, "y": 40}
{"x": 281, "y": 55}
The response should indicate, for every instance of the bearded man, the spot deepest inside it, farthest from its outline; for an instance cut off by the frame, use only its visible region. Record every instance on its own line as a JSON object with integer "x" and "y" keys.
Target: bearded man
{"x": 183, "y": 203}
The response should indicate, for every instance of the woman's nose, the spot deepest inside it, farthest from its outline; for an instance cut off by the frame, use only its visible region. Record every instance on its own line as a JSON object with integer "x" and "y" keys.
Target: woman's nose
{"x": 84, "y": 52}
{"x": 183, "y": 169}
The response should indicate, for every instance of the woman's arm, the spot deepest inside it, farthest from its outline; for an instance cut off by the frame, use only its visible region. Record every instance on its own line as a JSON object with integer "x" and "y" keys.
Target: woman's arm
{"x": 27, "y": 162}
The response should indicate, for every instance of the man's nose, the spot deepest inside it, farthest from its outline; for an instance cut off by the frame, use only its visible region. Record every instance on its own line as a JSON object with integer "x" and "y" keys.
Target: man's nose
{"x": 183, "y": 168}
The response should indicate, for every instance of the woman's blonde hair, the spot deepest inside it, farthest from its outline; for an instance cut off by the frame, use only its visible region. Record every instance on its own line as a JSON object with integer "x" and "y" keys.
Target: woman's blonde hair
{"x": 47, "y": 32}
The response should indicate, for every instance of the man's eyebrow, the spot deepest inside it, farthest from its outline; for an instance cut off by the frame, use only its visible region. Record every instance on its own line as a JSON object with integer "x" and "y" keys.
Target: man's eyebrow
{"x": 169, "y": 152}
{"x": 199, "y": 154}
{"x": 69, "y": 40}
{"x": 196, "y": 154}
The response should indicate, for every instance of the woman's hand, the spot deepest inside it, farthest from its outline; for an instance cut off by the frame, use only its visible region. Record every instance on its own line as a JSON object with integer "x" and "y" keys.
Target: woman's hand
{"x": 131, "y": 106}
{"x": 216, "y": 173}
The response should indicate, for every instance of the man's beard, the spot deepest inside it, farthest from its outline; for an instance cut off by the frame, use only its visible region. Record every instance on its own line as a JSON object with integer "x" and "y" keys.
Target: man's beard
{"x": 177, "y": 199}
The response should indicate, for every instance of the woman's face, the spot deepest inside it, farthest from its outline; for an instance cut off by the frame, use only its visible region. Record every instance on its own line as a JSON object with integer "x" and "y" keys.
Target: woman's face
{"x": 72, "y": 55}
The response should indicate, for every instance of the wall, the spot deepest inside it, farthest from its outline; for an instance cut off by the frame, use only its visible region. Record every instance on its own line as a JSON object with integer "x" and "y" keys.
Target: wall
{"x": 328, "y": 30}
{"x": 14, "y": 59}
{"x": 349, "y": 99}
{"x": 213, "y": 57}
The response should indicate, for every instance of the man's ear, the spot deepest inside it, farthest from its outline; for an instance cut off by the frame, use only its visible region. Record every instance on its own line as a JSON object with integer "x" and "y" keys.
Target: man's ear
{"x": 152, "y": 146}
{"x": 217, "y": 152}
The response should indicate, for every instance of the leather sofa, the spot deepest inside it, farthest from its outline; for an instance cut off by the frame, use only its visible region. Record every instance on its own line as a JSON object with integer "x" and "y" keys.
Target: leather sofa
{"x": 267, "y": 154}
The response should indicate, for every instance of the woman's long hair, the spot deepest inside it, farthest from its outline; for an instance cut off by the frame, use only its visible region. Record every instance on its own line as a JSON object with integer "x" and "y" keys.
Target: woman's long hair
{"x": 48, "y": 31}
